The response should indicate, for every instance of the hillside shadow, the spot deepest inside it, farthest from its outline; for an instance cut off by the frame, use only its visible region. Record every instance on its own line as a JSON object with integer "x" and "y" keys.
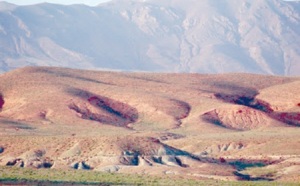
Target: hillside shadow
{"x": 246, "y": 177}
{"x": 2, "y": 102}
{"x": 237, "y": 164}
{"x": 247, "y": 97}
{"x": 148, "y": 79}
{"x": 67, "y": 75}
{"x": 15, "y": 124}
{"x": 109, "y": 112}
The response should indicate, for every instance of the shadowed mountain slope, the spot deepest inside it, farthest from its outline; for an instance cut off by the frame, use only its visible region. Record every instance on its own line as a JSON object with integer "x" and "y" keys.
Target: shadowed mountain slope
{"x": 208, "y": 36}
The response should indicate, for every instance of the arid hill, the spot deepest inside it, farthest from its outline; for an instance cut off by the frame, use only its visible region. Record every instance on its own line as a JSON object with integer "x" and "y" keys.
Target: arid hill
{"x": 226, "y": 127}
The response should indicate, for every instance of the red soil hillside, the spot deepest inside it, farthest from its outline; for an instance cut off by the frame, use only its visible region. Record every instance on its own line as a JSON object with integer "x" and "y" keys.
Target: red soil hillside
{"x": 149, "y": 123}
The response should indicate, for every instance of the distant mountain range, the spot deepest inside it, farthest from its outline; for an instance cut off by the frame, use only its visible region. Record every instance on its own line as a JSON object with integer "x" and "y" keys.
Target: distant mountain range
{"x": 207, "y": 36}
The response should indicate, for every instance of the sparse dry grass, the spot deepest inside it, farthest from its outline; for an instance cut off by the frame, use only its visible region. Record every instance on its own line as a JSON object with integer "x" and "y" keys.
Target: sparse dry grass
{"x": 17, "y": 175}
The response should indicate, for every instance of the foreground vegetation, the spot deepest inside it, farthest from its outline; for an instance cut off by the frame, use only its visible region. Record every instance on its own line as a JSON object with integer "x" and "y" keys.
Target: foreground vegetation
{"x": 13, "y": 175}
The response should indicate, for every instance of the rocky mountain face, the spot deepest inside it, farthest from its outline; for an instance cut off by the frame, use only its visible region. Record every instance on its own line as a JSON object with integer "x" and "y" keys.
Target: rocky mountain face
{"x": 207, "y": 36}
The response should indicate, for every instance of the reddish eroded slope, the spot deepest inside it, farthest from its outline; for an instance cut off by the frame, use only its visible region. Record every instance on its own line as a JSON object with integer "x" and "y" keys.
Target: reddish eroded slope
{"x": 258, "y": 109}
{"x": 239, "y": 118}
{"x": 81, "y": 119}
{"x": 1, "y": 102}
{"x": 102, "y": 109}
{"x": 284, "y": 101}
{"x": 291, "y": 118}
{"x": 139, "y": 101}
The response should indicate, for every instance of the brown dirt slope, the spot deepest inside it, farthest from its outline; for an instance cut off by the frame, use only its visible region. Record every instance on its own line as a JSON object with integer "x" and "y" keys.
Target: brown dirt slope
{"x": 198, "y": 126}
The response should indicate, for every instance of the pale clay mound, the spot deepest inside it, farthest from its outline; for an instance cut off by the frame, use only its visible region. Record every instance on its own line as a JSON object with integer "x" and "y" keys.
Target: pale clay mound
{"x": 197, "y": 126}
{"x": 239, "y": 118}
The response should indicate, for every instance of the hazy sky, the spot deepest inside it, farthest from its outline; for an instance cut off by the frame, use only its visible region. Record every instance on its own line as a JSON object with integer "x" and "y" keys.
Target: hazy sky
{"x": 88, "y": 2}
{"x": 27, "y": 2}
